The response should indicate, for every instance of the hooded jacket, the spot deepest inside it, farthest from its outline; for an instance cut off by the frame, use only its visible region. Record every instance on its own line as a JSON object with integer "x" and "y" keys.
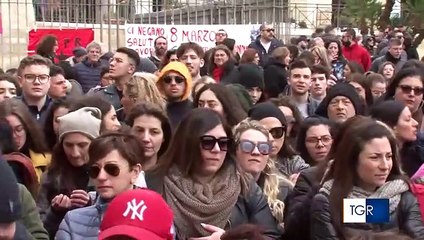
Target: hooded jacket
{"x": 177, "y": 110}
{"x": 358, "y": 54}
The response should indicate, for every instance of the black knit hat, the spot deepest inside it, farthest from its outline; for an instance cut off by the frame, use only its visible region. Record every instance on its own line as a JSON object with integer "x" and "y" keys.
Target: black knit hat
{"x": 10, "y": 205}
{"x": 341, "y": 89}
{"x": 251, "y": 76}
{"x": 229, "y": 43}
{"x": 387, "y": 112}
{"x": 266, "y": 109}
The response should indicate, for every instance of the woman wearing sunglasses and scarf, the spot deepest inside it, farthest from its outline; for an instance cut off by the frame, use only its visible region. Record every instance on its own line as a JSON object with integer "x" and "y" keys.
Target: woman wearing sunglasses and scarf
{"x": 114, "y": 166}
{"x": 252, "y": 149}
{"x": 202, "y": 185}
{"x": 64, "y": 186}
{"x": 282, "y": 153}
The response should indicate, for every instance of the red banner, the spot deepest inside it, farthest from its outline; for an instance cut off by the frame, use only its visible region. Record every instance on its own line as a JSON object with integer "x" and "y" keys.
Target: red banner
{"x": 68, "y": 39}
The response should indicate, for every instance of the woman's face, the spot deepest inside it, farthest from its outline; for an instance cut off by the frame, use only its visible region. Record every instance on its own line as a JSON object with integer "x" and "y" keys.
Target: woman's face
{"x": 406, "y": 128}
{"x": 127, "y": 101}
{"x": 359, "y": 89}
{"x": 61, "y": 111}
{"x": 256, "y": 59}
{"x": 410, "y": 98}
{"x": 7, "y": 90}
{"x": 388, "y": 71}
{"x": 115, "y": 175}
{"x": 19, "y": 132}
{"x": 209, "y": 100}
{"x": 148, "y": 129}
{"x": 75, "y": 146}
{"x": 213, "y": 149}
{"x": 333, "y": 50}
{"x": 316, "y": 57}
{"x": 255, "y": 94}
{"x": 110, "y": 121}
{"x": 220, "y": 58}
{"x": 248, "y": 153}
{"x": 287, "y": 60}
{"x": 347, "y": 71}
{"x": 173, "y": 58}
{"x": 374, "y": 164}
{"x": 274, "y": 126}
{"x": 288, "y": 114}
{"x": 318, "y": 142}
{"x": 55, "y": 47}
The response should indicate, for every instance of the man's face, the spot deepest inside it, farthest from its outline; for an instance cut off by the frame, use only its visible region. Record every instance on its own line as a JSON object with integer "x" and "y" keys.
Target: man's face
{"x": 347, "y": 38}
{"x": 161, "y": 46}
{"x": 300, "y": 80}
{"x": 220, "y": 36}
{"x": 121, "y": 66}
{"x": 106, "y": 80}
{"x": 173, "y": 85}
{"x": 318, "y": 85}
{"x": 303, "y": 45}
{"x": 268, "y": 32}
{"x": 396, "y": 50}
{"x": 340, "y": 109}
{"x": 192, "y": 61}
{"x": 35, "y": 81}
{"x": 57, "y": 87}
{"x": 93, "y": 54}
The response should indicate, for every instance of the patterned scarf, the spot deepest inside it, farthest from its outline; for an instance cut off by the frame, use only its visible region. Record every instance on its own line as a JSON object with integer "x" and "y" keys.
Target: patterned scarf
{"x": 391, "y": 190}
{"x": 194, "y": 203}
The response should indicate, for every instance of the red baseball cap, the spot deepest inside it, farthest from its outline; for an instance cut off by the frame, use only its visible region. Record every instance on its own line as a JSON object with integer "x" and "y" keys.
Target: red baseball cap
{"x": 140, "y": 214}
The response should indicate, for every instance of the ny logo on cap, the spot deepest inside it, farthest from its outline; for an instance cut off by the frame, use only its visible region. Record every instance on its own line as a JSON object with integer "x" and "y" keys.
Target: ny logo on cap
{"x": 136, "y": 210}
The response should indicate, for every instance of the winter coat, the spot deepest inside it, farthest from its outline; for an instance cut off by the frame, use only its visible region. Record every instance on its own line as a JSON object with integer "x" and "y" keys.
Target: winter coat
{"x": 88, "y": 74}
{"x": 263, "y": 54}
{"x": 30, "y": 216}
{"x": 230, "y": 75}
{"x": 406, "y": 218}
{"x": 358, "y": 54}
{"x": 388, "y": 58}
{"x": 275, "y": 76}
{"x": 252, "y": 208}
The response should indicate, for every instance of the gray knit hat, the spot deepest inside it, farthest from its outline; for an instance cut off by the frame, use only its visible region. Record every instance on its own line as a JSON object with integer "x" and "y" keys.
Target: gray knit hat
{"x": 86, "y": 120}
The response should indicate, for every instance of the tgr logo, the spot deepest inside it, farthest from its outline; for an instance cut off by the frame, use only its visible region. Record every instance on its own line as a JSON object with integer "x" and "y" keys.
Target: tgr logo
{"x": 362, "y": 210}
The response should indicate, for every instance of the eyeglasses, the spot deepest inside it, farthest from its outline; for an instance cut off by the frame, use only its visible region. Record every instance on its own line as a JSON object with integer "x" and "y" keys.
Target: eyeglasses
{"x": 408, "y": 89}
{"x": 248, "y": 147}
{"x": 30, "y": 78}
{"x": 326, "y": 140}
{"x": 208, "y": 142}
{"x": 177, "y": 79}
{"x": 277, "y": 132}
{"x": 269, "y": 30}
{"x": 111, "y": 169}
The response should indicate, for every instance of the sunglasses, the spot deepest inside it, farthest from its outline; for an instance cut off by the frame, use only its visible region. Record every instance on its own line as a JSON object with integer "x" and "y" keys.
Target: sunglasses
{"x": 248, "y": 147}
{"x": 277, "y": 132}
{"x": 177, "y": 79}
{"x": 208, "y": 142}
{"x": 111, "y": 169}
{"x": 418, "y": 91}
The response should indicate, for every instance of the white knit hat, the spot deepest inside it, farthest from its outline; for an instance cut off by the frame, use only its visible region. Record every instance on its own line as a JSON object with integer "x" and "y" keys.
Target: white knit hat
{"x": 86, "y": 120}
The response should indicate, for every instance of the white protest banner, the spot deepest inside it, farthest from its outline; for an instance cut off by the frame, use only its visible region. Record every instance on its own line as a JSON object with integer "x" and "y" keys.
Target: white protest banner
{"x": 141, "y": 37}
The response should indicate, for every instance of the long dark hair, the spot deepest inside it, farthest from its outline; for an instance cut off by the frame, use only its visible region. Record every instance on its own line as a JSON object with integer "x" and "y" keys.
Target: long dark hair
{"x": 45, "y": 46}
{"x": 51, "y": 137}
{"x": 7, "y": 144}
{"x": 233, "y": 110}
{"x": 301, "y": 137}
{"x": 340, "y": 56}
{"x": 402, "y": 74}
{"x": 35, "y": 139}
{"x": 153, "y": 110}
{"x": 343, "y": 169}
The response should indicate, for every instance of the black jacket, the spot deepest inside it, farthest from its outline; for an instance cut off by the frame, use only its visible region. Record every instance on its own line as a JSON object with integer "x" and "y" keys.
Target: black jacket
{"x": 275, "y": 75}
{"x": 263, "y": 54}
{"x": 231, "y": 73}
{"x": 406, "y": 219}
{"x": 252, "y": 208}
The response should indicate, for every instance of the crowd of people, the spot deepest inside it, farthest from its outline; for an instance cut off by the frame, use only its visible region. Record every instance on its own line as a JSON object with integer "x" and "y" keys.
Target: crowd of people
{"x": 188, "y": 144}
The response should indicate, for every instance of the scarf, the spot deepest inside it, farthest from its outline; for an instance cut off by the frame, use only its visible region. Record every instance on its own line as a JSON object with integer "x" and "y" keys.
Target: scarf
{"x": 391, "y": 190}
{"x": 194, "y": 203}
{"x": 217, "y": 73}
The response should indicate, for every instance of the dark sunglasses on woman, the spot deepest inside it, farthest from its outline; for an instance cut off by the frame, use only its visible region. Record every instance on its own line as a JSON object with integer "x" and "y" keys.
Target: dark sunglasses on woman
{"x": 247, "y": 146}
{"x": 177, "y": 79}
{"x": 418, "y": 91}
{"x": 208, "y": 142}
{"x": 111, "y": 169}
{"x": 277, "y": 132}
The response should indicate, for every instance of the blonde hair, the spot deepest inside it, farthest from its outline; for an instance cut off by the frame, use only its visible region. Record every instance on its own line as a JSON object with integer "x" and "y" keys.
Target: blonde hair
{"x": 273, "y": 179}
{"x": 142, "y": 88}
{"x": 322, "y": 53}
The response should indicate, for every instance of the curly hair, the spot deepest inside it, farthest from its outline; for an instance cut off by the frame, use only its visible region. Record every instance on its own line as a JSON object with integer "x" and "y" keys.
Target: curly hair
{"x": 142, "y": 88}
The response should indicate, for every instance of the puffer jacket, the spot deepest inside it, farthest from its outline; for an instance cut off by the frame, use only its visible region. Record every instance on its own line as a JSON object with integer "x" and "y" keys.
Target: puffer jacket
{"x": 406, "y": 218}
{"x": 88, "y": 74}
{"x": 82, "y": 223}
{"x": 252, "y": 208}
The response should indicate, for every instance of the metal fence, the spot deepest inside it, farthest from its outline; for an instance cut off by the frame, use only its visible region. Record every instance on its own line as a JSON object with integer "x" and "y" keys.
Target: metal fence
{"x": 108, "y": 17}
